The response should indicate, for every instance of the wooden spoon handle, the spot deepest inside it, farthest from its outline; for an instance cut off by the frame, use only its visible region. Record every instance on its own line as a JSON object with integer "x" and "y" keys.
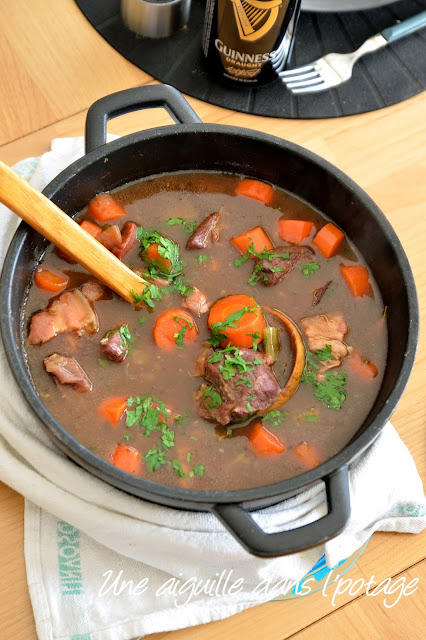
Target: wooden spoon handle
{"x": 46, "y": 218}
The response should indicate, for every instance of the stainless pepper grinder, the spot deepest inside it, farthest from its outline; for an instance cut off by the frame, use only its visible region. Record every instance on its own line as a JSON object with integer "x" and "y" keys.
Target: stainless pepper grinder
{"x": 155, "y": 18}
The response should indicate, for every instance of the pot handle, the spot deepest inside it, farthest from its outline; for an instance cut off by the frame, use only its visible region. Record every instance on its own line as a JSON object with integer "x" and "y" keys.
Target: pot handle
{"x": 240, "y": 523}
{"x": 146, "y": 97}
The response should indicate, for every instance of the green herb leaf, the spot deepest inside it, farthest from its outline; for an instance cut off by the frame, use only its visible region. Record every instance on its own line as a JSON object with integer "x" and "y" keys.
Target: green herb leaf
{"x": 215, "y": 397}
{"x": 154, "y": 459}
{"x": 198, "y": 470}
{"x": 202, "y": 258}
{"x": 177, "y": 468}
{"x": 230, "y": 322}
{"x": 332, "y": 390}
{"x": 308, "y": 268}
{"x": 189, "y": 226}
{"x": 324, "y": 354}
{"x": 256, "y": 338}
{"x": 275, "y": 418}
{"x": 180, "y": 335}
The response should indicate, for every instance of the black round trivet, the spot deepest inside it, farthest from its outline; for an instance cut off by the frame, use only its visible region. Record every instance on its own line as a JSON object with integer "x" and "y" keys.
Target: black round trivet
{"x": 380, "y": 79}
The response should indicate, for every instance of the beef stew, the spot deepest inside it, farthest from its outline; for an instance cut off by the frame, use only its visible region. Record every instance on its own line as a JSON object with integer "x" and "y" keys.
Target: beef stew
{"x": 182, "y": 388}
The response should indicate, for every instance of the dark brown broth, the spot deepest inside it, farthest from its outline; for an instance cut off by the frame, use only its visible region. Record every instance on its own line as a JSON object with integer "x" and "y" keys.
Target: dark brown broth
{"x": 229, "y": 463}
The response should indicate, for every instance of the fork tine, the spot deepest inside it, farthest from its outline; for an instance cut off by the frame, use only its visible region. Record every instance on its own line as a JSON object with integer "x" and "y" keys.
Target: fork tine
{"x": 310, "y": 89}
{"x": 302, "y": 77}
{"x": 310, "y": 82}
{"x": 291, "y": 72}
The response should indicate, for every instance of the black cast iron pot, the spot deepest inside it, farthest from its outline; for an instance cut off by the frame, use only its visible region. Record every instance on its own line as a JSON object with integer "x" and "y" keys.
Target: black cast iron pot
{"x": 192, "y": 145}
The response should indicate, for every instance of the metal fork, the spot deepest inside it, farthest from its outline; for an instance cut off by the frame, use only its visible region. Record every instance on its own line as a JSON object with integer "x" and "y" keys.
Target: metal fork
{"x": 335, "y": 68}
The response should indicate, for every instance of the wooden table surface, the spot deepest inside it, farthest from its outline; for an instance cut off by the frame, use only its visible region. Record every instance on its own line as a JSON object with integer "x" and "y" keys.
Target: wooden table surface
{"x": 53, "y": 66}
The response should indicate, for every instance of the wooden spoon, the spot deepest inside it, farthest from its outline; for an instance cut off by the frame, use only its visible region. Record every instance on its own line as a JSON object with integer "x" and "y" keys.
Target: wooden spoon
{"x": 46, "y": 218}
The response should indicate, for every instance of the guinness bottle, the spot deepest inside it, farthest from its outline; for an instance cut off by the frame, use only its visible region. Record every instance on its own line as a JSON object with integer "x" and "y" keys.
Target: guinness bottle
{"x": 246, "y": 43}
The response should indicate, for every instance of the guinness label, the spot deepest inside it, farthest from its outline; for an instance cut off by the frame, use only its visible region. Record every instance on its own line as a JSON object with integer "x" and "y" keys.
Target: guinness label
{"x": 247, "y": 42}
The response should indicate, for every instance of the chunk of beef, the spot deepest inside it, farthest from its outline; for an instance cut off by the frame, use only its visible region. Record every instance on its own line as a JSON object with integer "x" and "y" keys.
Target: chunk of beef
{"x": 129, "y": 237}
{"x": 196, "y": 302}
{"x": 71, "y": 311}
{"x": 322, "y": 330}
{"x": 243, "y": 394}
{"x": 270, "y": 271}
{"x": 114, "y": 346}
{"x": 66, "y": 370}
{"x": 207, "y": 230}
{"x": 317, "y": 294}
{"x": 110, "y": 237}
{"x": 94, "y": 291}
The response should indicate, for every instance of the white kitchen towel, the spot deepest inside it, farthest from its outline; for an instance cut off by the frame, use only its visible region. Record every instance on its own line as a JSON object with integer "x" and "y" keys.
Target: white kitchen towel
{"x": 103, "y": 565}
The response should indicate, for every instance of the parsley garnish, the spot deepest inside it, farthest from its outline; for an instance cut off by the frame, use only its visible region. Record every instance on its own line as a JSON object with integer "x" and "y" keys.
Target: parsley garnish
{"x": 308, "y": 268}
{"x": 310, "y": 417}
{"x": 230, "y": 322}
{"x": 154, "y": 459}
{"x": 248, "y": 405}
{"x": 256, "y": 338}
{"x": 127, "y": 436}
{"x": 245, "y": 380}
{"x": 177, "y": 468}
{"x": 202, "y": 258}
{"x": 103, "y": 363}
{"x": 332, "y": 390}
{"x": 167, "y": 250}
{"x": 309, "y": 375}
{"x": 266, "y": 254}
{"x": 215, "y": 397}
{"x": 198, "y": 470}
{"x": 125, "y": 335}
{"x": 188, "y": 225}
{"x": 180, "y": 335}
{"x": 324, "y": 354}
{"x": 188, "y": 457}
{"x": 149, "y": 295}
{"x": 276, "y": 417}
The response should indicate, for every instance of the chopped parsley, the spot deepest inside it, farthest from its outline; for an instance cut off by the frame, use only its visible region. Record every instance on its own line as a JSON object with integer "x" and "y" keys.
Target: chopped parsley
{"x": 324, "y": 354}
{"x": 245, "y": 380}
{"x": 266, "y": 254}
{"x": 202, "y": 258}
{"x": 180, "y": 335}
{"x": 198, "y": 470}
{"x": 248, "y": 405}
{"x": 309, "y": 375}
{"x": 154, "y": 459}
{"x": 126, "y": 336}
{"x": 275, "y": 418}
{"x": 230, "y": 322}
{"x": 308, "y": 268}
{"x": 216, "y": 400}
{"x": 233, "y": 364}
{"x": 127, "y": 436}
{"x": 310, "y": 417}
{"x": 188, "y": 225}
{"x": 103, "y": 362}
{"x": 256, "y": 338}
{"x": 177, "y": 468}
{"x": 332, "y": 390}
{"x": 149, "y": 295}
{"x": 189, "y": 456}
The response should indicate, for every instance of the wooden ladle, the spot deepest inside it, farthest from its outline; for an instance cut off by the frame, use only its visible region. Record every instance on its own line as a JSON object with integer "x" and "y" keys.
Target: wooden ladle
{"x": 49, "y": 220}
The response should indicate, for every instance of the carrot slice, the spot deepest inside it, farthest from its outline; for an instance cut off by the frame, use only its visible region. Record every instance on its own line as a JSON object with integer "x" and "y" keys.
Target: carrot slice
{"x": 363, "y": 367}
{"x": 255, "y": 189}
{"x": 264, "y": 441}
{"x": 127, "y": 458}
{"x": 295, "y": 231}
{"x": 104, "y": 207}
{"x": 328, "y": 240}
{"x": 256, "y": 237}
{"x": 112, "y": 409}
{"x": 174, "y": 329}
{"x": 91, "y": 227}
{"x": 152, "y": 255}
{"x": 50, "y": 279}
{"x": 307, "y": 455}
{"x": 357, "y": 279}
{"x": 251, "y": 322}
